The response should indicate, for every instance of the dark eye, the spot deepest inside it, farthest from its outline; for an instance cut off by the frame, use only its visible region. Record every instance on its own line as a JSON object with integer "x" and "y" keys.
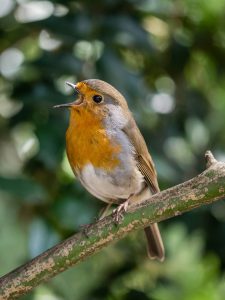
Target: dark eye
{"x": 97, "y": 98}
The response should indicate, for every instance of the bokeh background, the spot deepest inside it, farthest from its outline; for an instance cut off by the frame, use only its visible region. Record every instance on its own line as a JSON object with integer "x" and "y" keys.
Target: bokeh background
{"x": 168, "y": 59}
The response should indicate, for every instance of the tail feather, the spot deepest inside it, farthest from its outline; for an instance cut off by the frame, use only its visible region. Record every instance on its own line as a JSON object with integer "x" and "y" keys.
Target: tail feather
{"x": 155, "y": 244}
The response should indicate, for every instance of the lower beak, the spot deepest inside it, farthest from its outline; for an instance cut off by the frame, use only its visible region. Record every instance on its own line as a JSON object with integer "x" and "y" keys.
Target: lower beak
{"x": 72, "y": 103}
{"x": 63, "y": 105}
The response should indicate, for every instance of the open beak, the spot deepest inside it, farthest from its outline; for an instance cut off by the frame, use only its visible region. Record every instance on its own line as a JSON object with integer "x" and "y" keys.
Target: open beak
{"x": 72, "y": 103}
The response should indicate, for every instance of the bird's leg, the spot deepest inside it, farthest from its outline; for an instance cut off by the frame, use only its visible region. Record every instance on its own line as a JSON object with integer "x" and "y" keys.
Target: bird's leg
{"x": 104, "y": 211}
{"x": 120, "y": 210}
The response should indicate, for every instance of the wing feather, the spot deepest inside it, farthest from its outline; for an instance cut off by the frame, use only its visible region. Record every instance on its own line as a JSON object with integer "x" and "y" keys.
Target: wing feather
{"x": 144, "y": 161}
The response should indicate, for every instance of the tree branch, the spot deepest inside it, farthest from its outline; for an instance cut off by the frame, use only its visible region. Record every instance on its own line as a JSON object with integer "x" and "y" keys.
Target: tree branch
{"x": 205, "y": 188}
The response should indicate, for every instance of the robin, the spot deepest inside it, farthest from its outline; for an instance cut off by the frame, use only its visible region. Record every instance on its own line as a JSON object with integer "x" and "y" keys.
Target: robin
{"x": 108, "y": 154}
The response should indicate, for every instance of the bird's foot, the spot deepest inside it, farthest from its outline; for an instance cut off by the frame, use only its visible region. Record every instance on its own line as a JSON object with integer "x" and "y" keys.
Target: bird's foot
{"x": 120, "y": 210}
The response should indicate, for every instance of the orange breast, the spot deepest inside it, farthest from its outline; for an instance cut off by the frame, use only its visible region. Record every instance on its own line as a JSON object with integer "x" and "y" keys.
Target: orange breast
{"x": 88, "y": 142}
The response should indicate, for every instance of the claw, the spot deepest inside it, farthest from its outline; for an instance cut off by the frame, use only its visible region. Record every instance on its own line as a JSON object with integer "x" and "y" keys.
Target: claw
{"x": 120, "y": 210}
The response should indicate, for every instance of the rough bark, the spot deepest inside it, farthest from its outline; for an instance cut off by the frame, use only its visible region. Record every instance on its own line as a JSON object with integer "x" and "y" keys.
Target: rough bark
{"x": 205, "y": 188}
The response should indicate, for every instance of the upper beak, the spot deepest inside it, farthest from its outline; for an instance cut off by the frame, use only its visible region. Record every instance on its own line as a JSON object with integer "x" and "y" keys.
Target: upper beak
{"x": 71, "y": 84}
{"x": 68, "y": 104}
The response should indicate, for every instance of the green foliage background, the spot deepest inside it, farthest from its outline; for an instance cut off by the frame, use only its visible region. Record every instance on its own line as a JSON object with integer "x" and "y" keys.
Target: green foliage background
{"x": 168, "y": 59}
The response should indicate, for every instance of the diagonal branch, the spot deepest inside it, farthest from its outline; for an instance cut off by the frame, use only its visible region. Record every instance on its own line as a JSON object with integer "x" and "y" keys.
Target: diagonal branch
{"x": 205, "y": 188}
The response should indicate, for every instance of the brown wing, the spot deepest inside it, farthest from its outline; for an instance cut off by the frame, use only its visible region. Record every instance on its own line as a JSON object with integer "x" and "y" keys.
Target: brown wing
{"x": 146, "y": 166}
{"x": 144, "y": 160}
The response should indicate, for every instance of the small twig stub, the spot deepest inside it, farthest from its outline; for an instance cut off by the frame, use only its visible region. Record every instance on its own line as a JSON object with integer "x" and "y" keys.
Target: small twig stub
{"x": 210, "y": 159}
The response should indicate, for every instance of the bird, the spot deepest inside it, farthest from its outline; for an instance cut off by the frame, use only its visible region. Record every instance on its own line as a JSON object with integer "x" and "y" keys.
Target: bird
{"x": 108, "y": 153}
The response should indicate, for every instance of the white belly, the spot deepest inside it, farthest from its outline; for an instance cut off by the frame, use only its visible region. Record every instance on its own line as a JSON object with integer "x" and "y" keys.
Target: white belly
{"x": 111, "y": 187}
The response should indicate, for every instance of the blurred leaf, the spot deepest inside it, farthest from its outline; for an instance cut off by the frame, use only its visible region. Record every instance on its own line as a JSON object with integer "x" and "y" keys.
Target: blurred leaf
{"x": 23, "y": 189}
{"x": 41, "y": 238}
{"x": 13, "y": 237}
